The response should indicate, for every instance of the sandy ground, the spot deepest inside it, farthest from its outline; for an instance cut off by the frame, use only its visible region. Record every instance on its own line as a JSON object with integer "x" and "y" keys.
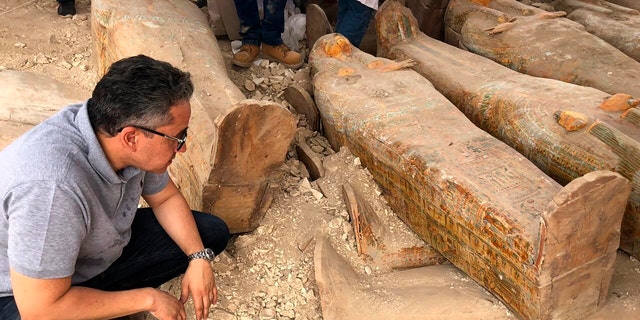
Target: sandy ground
{"x": 268, "y": 273}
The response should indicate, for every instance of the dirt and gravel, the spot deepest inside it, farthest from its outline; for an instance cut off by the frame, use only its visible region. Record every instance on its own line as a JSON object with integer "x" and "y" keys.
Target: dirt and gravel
{"x": 267, "y": 273}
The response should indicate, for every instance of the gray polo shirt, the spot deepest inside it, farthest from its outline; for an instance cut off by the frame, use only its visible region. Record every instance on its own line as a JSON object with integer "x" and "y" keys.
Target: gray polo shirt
{"x": 63, "y": 210}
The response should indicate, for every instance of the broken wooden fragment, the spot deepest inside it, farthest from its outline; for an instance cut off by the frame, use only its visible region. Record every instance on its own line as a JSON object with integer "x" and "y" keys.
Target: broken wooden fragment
{"x": 26, "y": 99}
{"x": 617, "y": 25}
{"x": 540, "y": 45}
{"x": 234, "y": 144}
{"x": 310, "y": 159}
{"x": 545, "y": 250}
{"x": 300, "y": 99}
{"x": 374, "y": 240}
{"x": 434, "y": 292}
{"x": 521, "y": 110}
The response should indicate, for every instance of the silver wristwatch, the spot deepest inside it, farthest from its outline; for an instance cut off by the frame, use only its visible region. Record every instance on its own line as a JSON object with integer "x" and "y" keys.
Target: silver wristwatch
{"x": 205, "y": 253}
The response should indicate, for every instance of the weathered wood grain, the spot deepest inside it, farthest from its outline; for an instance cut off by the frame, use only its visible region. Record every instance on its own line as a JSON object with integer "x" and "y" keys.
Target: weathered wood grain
{"x": 632, "y": 4}
{"x": 524, "y": 111}
{"x": 546, "y": 251}
{"x": 617, "y": 25}
{"x": 234, "y": 144}
{"x": 26, "y": 99}
{"x": 541, "y": 44}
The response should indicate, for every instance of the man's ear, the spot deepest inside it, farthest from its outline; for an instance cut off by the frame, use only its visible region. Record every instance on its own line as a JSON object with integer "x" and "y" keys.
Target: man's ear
{"x": 128, "y": 138}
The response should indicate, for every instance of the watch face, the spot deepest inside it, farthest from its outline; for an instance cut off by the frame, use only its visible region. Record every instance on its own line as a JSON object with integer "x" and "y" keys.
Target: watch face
{"x": 209, "y": 254}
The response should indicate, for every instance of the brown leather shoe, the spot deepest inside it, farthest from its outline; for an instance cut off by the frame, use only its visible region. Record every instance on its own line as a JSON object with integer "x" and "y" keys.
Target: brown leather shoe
{"x": 282, "y": 54}
{"x": 247, "y": 54}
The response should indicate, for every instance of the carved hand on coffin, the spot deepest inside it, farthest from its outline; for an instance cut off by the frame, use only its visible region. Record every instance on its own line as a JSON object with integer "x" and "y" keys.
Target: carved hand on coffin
{"x": 391, "y": 66}
{"x": 501, "y": 27}
{"x": 552, "y": 15}
{"x": 619, "y": 102}
{"x": 571, "y": 120}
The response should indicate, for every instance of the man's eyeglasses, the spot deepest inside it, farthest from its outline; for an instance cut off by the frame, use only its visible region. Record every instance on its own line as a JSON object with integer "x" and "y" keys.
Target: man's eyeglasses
{"x": 181, "y": 141}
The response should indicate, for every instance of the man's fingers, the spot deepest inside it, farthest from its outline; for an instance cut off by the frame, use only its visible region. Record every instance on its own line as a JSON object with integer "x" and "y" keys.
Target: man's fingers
{"x": 214, "y": 293}
{"x": 206, "y": 304}
{"x": 184, "y": 294}
{"x": 197, "y": 303}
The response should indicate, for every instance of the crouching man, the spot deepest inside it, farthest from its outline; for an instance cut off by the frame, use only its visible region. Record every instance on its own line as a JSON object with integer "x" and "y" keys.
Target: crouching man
{"x": 73, "y": 242}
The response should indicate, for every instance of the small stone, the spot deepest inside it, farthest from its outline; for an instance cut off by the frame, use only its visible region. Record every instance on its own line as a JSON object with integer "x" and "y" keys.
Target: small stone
{"x": 79, "y": 17}
{"x": 249, "y": 85}
{"x": 257, "y": 95}
{"x": 53, "y": 40}
{"x": 19, "y": 45}
{"x": 367, "y": 270}
{"x": 65, "y": 64}
{"x": 267, "y": 313}
{"x": 356, "y": 161}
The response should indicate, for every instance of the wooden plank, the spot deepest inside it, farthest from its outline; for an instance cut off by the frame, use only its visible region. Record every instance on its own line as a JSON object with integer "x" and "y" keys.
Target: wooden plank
{"x": 234, "y": 144}
{"x": 480, "y": 203}
{"x": 525, "y": 111}
{"x": 436, "y": 292}
{"x": 617, "y": 25}
{"x": 539, "y": 43}
{"x": 375, "y": 242}
{"x": 26, "y": 99}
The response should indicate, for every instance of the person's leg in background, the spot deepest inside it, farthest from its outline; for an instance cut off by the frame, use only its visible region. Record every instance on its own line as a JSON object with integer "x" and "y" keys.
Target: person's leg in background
{"x": 353, "y": 20}
{"x": 250, "y": 31}
{"x": 272, "y": 27}
{"x": 66, "y": 7}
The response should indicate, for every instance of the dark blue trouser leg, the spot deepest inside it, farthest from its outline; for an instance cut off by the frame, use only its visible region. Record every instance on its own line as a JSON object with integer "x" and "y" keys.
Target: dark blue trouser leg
{"x": 250, "y": 28}
{"x": 273, "y": 22}
{"x": 353, "y": 20}
{"x": 150, "y": 259}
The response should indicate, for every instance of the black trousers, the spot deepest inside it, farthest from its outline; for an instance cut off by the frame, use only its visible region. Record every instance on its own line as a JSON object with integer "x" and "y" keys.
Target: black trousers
{"x": 150, "y": 259}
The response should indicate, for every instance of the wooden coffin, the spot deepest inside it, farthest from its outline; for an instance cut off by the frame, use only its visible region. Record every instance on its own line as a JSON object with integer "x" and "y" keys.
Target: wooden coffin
{"x": 565, "y": 129}
{"x": 539, "y": 43}
{"x": 546, "y": 251}
{"x": 234, "y": 144}
{"x": 617, "y": 25}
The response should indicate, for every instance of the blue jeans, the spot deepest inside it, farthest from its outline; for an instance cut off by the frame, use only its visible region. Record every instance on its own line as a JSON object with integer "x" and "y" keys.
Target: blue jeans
{"x": 353, "y": 20}
{"x": 252, "y": 30}
{"x": 150, "y": 259}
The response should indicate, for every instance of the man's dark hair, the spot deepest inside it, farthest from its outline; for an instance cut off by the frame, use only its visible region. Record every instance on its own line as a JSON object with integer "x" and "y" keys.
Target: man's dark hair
{"x": 137, "y": 91}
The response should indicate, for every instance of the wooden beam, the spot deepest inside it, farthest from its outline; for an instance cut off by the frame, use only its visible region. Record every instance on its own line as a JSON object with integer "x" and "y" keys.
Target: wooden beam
{"x": 26, "y": 99}
{"x": 234, "y": 144}
{"x": 547, "y": 251}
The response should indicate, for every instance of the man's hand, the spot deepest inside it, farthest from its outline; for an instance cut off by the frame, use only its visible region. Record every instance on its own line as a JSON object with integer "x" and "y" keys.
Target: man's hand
{"x": 199, "y": 281}
{"x": 166, "y": 306}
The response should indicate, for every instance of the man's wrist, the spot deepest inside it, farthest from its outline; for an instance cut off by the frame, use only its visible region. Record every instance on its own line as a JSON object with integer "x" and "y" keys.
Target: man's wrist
{"x": 205, "y": 254}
